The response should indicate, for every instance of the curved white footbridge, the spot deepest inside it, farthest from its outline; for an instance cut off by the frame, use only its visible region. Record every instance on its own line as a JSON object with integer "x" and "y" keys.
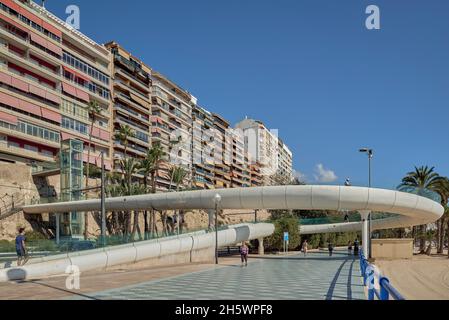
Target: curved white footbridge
{"x": 411, "y": 210}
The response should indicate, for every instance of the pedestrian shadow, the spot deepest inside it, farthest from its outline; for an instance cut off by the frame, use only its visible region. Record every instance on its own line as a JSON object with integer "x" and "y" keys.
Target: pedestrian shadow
{"x": 62, "y": 290}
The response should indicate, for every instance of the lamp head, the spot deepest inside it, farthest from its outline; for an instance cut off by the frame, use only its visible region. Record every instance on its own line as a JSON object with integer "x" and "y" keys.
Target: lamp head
{"x": 217, "y": 198}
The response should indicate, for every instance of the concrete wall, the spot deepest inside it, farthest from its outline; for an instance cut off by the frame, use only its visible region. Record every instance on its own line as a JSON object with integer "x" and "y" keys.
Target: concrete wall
{"x": 392, "y": 248}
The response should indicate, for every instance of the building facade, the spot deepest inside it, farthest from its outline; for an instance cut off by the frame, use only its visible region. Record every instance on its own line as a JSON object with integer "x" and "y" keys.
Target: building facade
{"x": 131, "y": 104}
{"x": 171, "y": 126}
{"x": 270, "y": 157}
{"x": 49, "y": 74}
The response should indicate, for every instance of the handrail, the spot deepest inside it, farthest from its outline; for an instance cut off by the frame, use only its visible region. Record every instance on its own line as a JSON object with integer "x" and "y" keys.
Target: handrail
{"x": 386, "y": 289}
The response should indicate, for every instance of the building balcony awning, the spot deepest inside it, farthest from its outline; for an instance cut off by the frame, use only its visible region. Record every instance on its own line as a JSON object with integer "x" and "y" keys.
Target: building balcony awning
{"x": 12, "y": 22}
{"x": 51, "y": 115}
{"x": 75, "y": 73}
{"x": 8, "y": 118}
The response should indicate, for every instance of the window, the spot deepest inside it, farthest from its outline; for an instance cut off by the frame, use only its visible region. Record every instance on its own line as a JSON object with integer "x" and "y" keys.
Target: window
{"x": 74, "y": 125}
{"x": 84, "y": 67}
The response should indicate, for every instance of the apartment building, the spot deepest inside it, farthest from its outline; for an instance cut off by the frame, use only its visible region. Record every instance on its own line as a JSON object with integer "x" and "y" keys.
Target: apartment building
{"x": 49, "y": 73}
{"x": 203, "y": 157}
{"x": 223, "y": 144}
{"x": 131, "y": 104}
{"x": 240, "y": 171}
{"x": 172, "y": 110}
{"x": 285, "y": 162}
{"x": 266, "y": 151}
{"x": 256, "y": 175}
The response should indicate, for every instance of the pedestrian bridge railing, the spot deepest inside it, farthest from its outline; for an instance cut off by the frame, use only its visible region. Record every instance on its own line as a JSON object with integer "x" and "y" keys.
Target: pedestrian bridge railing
{"x": 378, "y": 285}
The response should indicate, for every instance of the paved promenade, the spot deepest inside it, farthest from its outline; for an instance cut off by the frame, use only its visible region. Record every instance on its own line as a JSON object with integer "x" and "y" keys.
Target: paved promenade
{"x": 315, "y": 277}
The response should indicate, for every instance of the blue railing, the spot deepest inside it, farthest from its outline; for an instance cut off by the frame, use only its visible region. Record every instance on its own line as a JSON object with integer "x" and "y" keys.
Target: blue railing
{"x": 386, "y": 289}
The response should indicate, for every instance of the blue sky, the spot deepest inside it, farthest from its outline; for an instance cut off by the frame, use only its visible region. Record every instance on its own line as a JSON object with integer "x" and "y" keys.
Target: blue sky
{"x": 308, "y": 68}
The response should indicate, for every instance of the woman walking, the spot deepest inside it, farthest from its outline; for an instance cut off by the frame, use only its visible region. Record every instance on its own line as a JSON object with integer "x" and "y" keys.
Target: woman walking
{"x": 244, "y": 250}
{"x": 305, "y": 248}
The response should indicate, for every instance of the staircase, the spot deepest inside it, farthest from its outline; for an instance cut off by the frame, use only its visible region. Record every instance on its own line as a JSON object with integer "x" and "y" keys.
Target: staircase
{"x": 10, "y": 206}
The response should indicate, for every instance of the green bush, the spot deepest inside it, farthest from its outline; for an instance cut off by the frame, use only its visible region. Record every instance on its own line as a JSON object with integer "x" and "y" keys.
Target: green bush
{"x": 284, "y": 224}
{"x": 6, "y": 246}
{"x": 34, "y": 235}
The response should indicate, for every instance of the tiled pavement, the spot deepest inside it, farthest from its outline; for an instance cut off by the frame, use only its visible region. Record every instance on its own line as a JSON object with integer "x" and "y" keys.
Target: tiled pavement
{"x": 315, "y": 277}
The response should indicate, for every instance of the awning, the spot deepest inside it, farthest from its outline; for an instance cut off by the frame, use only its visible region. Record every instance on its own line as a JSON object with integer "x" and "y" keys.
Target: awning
{"x": 11, "y": 4}
{"x": 30, "y": 16}
{"x": 30, "y": 108}
{"x": 9, "y": 100}
{"x": 79, "y": 75}
{"x": 139, "y": 100}
{"x": 37, "y": 91}
{"x": 19, "y": 84}
{"x": 12, "y": 22}
{"x": 54, "y": 48}
{"x": 67, "y": 88}
{"x": 5, "y": 78}
{"x": 104, "y": 135}
{"x": 51, "y": 115}
{"x": 9, "y": 118}
{"x": 52, "y": 97}
{"x": 38, "y": 39}
{"x": 51, "y": 28}
{"x": 82, "y": 95}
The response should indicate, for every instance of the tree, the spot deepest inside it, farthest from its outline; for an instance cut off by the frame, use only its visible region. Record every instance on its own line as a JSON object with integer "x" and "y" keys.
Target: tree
{"x": 423, "y": 178}
{"x": 150, "y": 167}
{"x": 284, "y": 224}
{"x": 94, "y": 110}
{"x": 178, "y": 176}
{"x": 123, "y": 134}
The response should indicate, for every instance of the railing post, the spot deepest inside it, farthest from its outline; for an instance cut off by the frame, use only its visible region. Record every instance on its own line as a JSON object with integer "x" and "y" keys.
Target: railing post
{"x": 384, "y": 294}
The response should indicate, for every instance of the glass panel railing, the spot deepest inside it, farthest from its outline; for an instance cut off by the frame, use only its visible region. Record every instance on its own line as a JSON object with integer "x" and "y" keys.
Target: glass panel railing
{"x": 46, "y": 248}
{"x": 421, "y": 192}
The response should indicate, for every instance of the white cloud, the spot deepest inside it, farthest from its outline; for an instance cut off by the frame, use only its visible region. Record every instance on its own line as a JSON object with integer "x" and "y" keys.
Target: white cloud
{"x": 324, "y": 175}
{"x": 299, "y": 175}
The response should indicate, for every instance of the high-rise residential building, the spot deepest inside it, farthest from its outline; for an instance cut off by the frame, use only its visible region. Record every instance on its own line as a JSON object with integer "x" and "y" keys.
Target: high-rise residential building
{"x": 285, "y": 162}
{"x": 49, "y": 73}
{"x": 261, "y": 146}
{"x": 172, "y": 108}
{"x": 270, "y": 156}
{"x": 223, "y": 154}
{"x": 131, "y": 104}
{"x": 240, "y": 171}
{"x": 203, "y": 157}
{"x": 256, "y": 176}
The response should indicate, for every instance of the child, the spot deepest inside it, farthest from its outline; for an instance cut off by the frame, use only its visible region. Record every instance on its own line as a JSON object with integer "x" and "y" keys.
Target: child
{"x": 349, "y": 248}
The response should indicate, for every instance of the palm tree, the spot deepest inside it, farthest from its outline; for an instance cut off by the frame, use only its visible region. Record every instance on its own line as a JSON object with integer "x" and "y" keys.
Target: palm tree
{"x": 423, "y": 178}
{"x": 178, "y": 176}
{"x": 150, "y": 167}
{"x": 94, "y": 110}
{"x": 123, "y": 134}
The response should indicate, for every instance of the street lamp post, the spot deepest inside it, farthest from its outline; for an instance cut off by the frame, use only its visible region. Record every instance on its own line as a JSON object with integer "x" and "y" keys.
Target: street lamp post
{"x": 217, "y": 199}
{"x": 103, "y": 199}
{"x": 370, "y": 154}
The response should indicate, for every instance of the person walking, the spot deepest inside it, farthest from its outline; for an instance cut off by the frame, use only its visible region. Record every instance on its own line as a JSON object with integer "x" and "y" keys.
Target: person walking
{"x": 330, "y": 248}
{"x": 349, "y": 248}
{"x": 305, "y": 248}
{"x": 244, "y": 250}
{"x": 356, "y": 247}
{"x": 22, "y": 255}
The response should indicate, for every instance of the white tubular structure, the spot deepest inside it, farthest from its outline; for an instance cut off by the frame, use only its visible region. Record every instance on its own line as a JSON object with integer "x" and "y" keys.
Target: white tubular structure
{"x": 412, "y": 209}
{"x": 134, "y": 252}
